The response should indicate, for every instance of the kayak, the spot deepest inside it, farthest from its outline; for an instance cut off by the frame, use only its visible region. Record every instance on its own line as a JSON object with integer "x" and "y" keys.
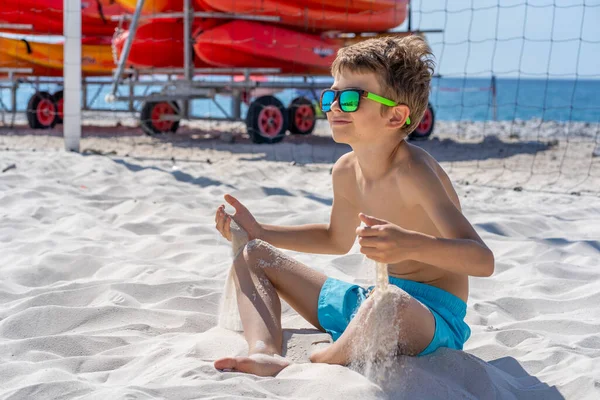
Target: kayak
{"x": 96, "y": 55}
{"x": 159, "y": 44}
{"x": 157, "y": 6}
{"x": 46, "y": 16}
{"x": 319, "y": 19}
{"x": 347, "y": 5}
{"x": 248, "y": 44}
{"x": 8, "y": 61}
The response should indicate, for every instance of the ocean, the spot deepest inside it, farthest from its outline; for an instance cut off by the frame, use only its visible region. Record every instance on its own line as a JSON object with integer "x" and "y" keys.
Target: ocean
{"x": 453, "y": 99}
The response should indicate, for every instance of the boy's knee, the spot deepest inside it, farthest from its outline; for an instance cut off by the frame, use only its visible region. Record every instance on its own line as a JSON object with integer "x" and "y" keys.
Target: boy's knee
{"x": 257, "y": 250}
{"x": 392, "y": 304}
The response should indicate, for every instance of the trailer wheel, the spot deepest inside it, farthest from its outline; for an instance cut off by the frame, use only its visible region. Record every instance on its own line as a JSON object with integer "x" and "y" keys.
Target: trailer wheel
{"x": 302, "y": 116}
{"x": 151, "y": 114}
{"x": 267, "y": 120}
{"x": 41, "y": 111}
{"x": 59, "y": 101}
{"x": 425, "y": 127}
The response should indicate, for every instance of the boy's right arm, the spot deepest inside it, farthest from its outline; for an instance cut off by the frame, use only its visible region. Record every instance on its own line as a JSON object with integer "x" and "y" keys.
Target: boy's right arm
{"x": 338, "y": 236}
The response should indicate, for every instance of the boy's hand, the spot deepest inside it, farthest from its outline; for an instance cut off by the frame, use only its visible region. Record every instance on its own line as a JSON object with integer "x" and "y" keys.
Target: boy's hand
{"x": 385, "y": 242}
{"x": 242, "y": 217}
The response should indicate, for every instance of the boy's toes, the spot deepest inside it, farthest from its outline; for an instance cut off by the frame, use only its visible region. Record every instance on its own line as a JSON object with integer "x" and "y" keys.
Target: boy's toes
{"x": 226, "y": 363}
{"x": 317, "y": 356}
{"x": 258, "y": 364}
{"x": 333, "y": 354}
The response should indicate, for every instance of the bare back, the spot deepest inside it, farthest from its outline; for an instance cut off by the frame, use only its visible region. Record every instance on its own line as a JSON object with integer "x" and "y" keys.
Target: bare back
{"x": 389, "y": 199}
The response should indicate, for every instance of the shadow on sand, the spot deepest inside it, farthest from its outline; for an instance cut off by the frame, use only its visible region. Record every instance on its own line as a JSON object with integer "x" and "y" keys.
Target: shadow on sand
{"x": 322, "y": 149}
{"x": 445, "y": 374}
{"x": 299, "y": 148}
{"x": 454, "y": 374}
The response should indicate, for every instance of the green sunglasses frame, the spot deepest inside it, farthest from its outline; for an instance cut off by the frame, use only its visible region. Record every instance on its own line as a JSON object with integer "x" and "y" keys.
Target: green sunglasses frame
{"x": 361, "y": 93}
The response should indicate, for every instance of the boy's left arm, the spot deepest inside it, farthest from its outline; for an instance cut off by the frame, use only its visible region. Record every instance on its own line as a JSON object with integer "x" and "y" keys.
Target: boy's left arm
{"x": 459, "y": 249}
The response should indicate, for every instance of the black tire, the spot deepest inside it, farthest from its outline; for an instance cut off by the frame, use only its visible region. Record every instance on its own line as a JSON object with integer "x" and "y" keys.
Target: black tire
{"x": 267, "y": 120}
{"x": 30, "y": 112}
{"x": 425, "y": 127}
{"x": 41, "y": 111}
{"x": 58, "y": 98}
{"x": 153, "y": 126}
{"x": 302, "y": 116}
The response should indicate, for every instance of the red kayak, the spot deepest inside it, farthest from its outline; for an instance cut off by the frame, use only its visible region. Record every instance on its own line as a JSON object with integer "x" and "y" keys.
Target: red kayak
{"x": 247, "y": 44}
{"x": 157, "y": 6}
{"x": 46, "y": 16}
{"x": 159, "y": 43}
{"x": 363, "y": 17}
{"x": 347, "y": 5}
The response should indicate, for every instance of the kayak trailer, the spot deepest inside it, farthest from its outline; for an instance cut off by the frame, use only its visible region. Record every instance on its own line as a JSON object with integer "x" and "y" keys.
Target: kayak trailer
{"x": 267, "y": 119}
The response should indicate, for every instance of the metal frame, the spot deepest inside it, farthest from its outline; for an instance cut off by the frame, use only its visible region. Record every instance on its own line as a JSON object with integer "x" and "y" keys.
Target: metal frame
{"x": 184, "y": 89}
{"x": 187, "y": 88}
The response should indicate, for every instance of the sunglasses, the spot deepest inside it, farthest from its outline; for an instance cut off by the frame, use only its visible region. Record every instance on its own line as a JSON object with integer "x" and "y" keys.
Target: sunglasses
{"x": 349, "y": 100}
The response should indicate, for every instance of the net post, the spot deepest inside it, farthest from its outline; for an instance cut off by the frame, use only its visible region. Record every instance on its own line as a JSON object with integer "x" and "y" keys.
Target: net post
{"x": 72, "y": 74}
{"x": 188, "y": 66}
{"x": 125, "y": 52}
{"x": 494, "y": 99}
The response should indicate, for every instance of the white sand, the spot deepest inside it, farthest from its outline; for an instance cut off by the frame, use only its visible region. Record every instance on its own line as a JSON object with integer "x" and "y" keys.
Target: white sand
{"x": 111, "y": 274}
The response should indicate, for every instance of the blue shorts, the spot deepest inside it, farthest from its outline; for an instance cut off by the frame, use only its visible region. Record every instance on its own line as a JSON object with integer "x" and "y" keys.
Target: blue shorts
{"x": 339, "y": 301}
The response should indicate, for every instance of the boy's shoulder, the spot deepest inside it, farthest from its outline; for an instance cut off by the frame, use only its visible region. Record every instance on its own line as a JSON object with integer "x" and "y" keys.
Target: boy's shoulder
{"x": 343, "y": 176}
{"x": 418, "y": 165}
{"x": 424, "y": 179}
{"x": 345, "y": 161}
{"x": 344, "y": 167}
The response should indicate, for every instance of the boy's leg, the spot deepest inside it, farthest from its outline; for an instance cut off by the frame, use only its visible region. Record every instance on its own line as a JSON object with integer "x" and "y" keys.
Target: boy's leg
{"x": 263, "y": 274}
{"x": 411, "y": 322}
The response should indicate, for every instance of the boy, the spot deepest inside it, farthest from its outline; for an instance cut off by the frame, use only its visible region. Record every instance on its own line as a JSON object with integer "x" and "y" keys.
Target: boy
{"x": 412, "y": 216}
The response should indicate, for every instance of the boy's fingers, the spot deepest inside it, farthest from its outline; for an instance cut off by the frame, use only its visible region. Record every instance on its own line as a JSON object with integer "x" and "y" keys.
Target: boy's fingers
{"x": 367, "y": 242}
{"x": 234, "y": 202}
{"x": 219, "y": 225}
{"x": 368, "y": 251}
{"x": 368, "y": 231}
{"x": 219, "y": 213}
{"x": 370, "y": 221}
{"x": 221, "y": 221}
{"x": 227, "y": 227}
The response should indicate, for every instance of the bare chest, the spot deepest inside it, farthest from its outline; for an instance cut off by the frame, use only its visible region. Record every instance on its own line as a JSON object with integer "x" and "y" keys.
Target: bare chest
{"x": 389, "y": 203}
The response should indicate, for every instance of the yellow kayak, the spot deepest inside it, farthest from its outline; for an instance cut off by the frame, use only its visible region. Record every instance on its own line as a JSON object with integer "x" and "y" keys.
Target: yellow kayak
{"x": 47, "y": 58}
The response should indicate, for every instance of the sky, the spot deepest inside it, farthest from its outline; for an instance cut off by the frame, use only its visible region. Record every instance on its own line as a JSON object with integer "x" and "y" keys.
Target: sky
{"x": 511, "y": 38}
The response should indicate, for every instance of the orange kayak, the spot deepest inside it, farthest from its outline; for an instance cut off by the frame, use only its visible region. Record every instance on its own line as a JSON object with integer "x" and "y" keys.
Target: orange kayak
{"x": 159, "y": 43}
{"x": 96, "y": 58}
{"x": 247, "y": 44}
{"x": 319, "y": 19}
{"x": 46, "y": 16}
{"x": 7, "y": 61}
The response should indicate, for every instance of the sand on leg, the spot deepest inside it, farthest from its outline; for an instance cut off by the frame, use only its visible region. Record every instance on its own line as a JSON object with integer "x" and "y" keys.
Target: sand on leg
{"x": 386, "y": 324}
{"x": 262, "y": 275}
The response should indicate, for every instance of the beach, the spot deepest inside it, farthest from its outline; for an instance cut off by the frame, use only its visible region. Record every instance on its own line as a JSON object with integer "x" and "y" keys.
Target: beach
{"x": 112, "y": 271}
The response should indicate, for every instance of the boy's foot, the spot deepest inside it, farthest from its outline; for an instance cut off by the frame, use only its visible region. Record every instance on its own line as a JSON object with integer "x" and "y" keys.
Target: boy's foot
{"x": 257, "y": 364}
{"x": 339, "y": 351}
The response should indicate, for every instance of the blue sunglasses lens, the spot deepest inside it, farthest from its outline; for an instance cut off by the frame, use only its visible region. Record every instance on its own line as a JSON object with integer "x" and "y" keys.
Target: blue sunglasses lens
{"x": 349, "y": 101}
{"x": 327, "y": 100}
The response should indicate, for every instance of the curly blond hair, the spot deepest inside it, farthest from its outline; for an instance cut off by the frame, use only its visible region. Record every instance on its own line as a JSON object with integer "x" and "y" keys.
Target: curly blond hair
{"x": 403, "y": 66}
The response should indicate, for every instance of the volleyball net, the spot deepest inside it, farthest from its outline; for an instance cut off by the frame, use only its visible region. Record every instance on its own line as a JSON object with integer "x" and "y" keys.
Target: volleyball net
{"x": 514, "y": 104}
